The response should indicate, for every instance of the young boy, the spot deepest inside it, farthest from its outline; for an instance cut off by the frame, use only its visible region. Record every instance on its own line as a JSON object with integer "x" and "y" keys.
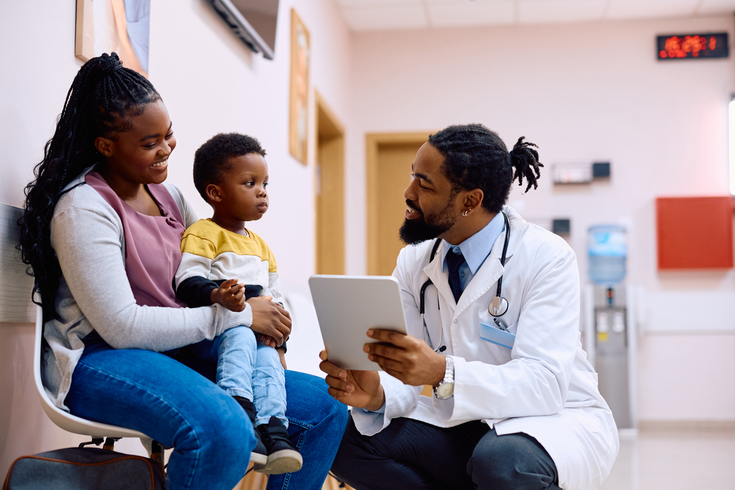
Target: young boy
{"x": 223, "y": 262}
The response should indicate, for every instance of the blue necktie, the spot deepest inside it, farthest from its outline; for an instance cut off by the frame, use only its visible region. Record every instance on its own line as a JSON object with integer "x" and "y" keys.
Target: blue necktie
{"x": 454, "y": 262}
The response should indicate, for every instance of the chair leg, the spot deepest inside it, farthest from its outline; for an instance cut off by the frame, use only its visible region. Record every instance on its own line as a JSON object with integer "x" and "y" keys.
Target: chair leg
{"x": 157, "y": 455}
{"x": 95, "y": 440}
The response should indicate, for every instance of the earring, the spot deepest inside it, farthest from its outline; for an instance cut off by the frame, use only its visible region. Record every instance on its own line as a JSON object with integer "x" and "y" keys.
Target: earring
{"x": 465, "y": 212}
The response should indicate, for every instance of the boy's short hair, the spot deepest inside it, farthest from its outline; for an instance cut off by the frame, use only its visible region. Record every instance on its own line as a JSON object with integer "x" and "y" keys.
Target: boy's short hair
{"x": 212, "y": 159}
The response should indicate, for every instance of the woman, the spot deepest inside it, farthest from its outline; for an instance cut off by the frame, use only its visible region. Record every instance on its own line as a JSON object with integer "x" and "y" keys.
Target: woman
{"x": 101, "y": 232}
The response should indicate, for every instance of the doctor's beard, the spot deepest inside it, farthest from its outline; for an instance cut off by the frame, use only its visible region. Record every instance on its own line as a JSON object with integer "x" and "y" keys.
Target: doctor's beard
{"x": 418, "y": 230}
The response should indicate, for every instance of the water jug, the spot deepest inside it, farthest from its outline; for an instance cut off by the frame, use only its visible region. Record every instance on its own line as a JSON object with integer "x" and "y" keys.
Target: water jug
{"x": 607, "y": 250}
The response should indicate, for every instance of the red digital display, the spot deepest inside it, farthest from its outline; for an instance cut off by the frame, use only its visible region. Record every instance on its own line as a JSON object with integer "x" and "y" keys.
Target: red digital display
{"x": 692, "y": 46}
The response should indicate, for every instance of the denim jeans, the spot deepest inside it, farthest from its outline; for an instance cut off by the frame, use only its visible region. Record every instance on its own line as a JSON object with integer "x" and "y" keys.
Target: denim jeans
{"x": 413, "y": 454}
{"x": 247, "y": 368}
{"x": 169, "y": 400}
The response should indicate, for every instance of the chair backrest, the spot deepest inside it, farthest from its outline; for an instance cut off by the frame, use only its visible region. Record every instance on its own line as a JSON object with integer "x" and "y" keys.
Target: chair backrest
{"x": 306, "y": 341}
{"x": 63, "y": 419}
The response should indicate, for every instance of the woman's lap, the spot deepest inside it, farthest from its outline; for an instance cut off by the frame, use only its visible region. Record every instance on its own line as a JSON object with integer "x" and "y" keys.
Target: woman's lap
{"x": 161, "y": 397}
{"x": 157, "y": 395}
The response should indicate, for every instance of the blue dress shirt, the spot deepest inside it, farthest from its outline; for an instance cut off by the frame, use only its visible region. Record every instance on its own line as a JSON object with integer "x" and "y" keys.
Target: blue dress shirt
{"x": 475, "y": 249}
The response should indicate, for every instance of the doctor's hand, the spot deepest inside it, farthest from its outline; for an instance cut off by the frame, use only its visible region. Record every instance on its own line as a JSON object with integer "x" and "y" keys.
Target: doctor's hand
{"x": 361, "y": 389}
{"x": 406, "y": 358}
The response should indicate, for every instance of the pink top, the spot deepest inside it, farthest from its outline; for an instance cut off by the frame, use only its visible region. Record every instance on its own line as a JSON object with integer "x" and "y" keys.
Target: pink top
{"x": 152, "y": 244}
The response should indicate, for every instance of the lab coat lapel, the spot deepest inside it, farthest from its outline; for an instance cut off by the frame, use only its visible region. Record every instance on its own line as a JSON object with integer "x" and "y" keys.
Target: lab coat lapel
{"x": 440, "y": 279}
{"x": 486, "y": 277}
{"x": 490, "y": 271}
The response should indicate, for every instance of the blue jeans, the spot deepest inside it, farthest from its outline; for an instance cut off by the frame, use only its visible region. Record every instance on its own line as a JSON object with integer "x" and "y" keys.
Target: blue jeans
{"x": 247, "y": 368}
{"x": 169, "y": 400}
{"x": 413, "y": 454}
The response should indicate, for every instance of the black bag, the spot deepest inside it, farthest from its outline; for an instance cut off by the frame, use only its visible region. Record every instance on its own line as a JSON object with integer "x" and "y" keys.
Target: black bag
{"x": 81, "y": 468}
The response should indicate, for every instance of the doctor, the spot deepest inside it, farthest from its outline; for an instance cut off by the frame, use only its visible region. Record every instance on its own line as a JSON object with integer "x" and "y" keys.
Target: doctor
{"x": 515, "y": 402}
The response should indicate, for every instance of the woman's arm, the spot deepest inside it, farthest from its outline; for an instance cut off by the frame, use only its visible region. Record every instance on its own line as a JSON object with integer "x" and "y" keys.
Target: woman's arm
{"x": 88, "y": 241}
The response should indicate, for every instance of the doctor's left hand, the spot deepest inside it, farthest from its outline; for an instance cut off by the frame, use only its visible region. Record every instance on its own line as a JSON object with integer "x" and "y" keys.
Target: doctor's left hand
{"x": 406, "y": 358}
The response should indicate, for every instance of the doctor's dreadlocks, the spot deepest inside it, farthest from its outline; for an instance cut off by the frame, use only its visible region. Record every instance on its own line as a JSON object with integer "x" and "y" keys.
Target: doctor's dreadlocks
{"x": 475, "y": 157}
{"x": 102, "y": 96}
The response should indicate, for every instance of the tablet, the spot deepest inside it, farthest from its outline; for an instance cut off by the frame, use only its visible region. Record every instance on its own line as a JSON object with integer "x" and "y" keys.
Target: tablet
{"x": 347, "y": 307}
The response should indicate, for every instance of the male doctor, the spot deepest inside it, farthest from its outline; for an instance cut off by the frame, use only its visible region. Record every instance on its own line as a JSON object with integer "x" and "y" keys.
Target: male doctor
{"x": 515, "y": 402}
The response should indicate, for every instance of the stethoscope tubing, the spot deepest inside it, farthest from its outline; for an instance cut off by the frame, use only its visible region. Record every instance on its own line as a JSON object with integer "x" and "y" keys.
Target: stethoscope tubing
{"x": 428, "y": 282}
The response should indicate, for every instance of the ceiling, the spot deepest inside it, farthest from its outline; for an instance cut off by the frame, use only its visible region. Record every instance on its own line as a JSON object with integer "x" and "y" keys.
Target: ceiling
{"x": 373, "y": 15}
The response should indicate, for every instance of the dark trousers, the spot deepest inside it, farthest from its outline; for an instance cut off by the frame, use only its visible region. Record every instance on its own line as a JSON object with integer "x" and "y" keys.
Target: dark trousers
{"x": 413, "y": 455}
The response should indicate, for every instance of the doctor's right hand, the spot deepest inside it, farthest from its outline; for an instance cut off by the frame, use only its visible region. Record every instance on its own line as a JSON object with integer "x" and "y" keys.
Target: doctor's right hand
{"x": 361, "y": 389}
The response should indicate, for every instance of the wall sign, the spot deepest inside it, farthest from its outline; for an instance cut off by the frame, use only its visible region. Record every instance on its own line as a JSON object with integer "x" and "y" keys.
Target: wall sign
{"x": 692, "y": 46}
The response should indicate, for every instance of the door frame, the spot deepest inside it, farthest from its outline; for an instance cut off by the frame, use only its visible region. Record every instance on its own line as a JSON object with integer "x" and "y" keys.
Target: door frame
{"x": 328, "y": 208}
{"x": 372, "y": 145}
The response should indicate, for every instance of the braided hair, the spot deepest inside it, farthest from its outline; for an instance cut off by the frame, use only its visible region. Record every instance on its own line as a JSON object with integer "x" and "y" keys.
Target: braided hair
{"x": 475, "y": 157}
{"x": 102, "y": 97}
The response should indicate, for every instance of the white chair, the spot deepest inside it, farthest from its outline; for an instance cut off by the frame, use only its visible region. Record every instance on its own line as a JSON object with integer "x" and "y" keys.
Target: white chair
{"x": 71, "y": 423}
{"x": 305, "y": 341}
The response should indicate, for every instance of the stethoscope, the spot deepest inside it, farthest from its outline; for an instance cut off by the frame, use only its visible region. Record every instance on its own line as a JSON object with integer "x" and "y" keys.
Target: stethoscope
{"x": 497, "y": 307}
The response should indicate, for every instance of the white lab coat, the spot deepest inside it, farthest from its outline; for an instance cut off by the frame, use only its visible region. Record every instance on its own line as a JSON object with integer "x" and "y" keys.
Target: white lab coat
{"x": 544, "y": 386}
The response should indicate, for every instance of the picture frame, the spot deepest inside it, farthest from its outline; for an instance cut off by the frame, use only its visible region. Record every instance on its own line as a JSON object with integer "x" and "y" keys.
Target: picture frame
{"x": 106, "y": 26}
{"x": 298, "y": 133}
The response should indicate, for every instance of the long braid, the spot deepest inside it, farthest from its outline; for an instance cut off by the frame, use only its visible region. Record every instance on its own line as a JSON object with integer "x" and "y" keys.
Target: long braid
{"x": 101, "y": 97}
{"x": 475, "y": 157}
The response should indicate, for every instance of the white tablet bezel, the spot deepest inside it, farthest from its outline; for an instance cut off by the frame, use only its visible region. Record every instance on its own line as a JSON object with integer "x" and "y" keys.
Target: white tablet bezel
{"x": 347, "y": 307}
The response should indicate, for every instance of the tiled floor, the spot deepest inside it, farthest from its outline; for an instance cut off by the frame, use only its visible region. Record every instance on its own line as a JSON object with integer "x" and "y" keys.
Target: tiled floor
{"x": 667, "y": 460}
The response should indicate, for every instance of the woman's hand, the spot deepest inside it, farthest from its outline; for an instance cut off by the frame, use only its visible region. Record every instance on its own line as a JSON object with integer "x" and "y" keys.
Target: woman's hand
{"x": 361, "y": 389}
{"x": 229, "y": 294}
{"x": 270, "y": 318}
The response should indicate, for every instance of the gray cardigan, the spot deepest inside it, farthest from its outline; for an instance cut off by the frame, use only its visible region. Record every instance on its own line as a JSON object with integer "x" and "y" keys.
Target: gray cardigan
{"x": 94, "y": 292}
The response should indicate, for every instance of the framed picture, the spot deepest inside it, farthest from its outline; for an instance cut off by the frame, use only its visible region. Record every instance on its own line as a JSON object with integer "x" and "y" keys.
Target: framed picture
{"x": 298, "y": 132}
{"x": 120, "y": 26}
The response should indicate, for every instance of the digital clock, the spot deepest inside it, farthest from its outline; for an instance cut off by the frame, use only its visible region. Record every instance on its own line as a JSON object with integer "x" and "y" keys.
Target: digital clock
{"x": 692, "y": 46}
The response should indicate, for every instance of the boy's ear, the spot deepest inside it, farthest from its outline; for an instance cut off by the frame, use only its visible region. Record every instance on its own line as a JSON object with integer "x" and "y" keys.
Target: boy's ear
{"x": 104, "y": 146}
{"x": 213, "y": 193}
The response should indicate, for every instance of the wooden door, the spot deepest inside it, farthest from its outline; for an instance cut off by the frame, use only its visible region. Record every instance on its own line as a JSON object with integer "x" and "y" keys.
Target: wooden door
{"x": 389, "y": 159}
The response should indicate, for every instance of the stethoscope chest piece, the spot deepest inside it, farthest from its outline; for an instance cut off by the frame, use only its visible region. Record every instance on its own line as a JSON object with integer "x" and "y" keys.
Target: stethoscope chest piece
{"x": 498, "y": 306}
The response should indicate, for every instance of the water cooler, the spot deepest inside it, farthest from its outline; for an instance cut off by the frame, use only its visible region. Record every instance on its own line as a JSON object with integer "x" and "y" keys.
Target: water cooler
{"x": 609, "y": 322}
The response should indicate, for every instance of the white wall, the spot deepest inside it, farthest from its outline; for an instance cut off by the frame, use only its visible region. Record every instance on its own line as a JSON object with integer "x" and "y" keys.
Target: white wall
{"x": 584, "y": 93}
{"x": 210, "y": 83}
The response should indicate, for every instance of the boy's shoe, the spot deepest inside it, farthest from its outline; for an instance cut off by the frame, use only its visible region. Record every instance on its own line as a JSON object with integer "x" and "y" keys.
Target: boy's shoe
{"x": 259, "y": 455}
{"x": 283, "y": 457}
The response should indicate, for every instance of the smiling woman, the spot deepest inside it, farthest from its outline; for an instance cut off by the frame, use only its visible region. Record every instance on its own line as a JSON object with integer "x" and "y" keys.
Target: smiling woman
{"x": 102, "y": 232}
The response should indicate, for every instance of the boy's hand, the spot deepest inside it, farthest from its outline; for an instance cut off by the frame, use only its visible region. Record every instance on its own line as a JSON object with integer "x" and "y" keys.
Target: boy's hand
{"x": 229, "y": 294}
{"x": 267, "y": 340}
{"x": 270, "y": 318}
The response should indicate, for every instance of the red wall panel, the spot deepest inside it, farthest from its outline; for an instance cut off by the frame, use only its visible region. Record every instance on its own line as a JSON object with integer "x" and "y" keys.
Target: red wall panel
{"x": 694, "y": 232}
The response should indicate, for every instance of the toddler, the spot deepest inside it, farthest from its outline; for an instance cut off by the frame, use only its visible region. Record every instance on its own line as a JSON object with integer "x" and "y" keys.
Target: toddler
{"x": 225, "y": 263}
